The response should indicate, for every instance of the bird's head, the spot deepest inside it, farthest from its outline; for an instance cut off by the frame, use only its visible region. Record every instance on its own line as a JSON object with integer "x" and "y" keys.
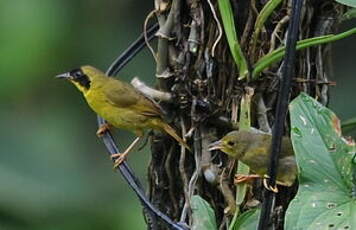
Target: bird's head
{"x": 83, "y": 77}
{"x": 233, "y": 144}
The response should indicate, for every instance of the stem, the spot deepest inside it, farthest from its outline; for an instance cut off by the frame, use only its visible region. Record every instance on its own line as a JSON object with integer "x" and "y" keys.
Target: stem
{"x": 281, "y": 111}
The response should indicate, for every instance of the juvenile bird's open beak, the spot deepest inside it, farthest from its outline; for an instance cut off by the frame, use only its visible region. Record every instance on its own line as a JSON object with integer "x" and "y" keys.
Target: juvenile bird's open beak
{"x": 217, "y": 145}
{"x": 64, "y": 76}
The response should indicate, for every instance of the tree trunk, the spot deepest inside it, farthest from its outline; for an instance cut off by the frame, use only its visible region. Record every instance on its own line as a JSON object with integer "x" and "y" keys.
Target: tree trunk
{"x": 199, "y": 71}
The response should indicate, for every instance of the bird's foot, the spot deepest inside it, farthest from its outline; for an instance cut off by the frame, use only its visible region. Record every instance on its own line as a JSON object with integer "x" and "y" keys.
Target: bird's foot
{"x": 119, "y": 158}
{"x": 269, "y": 187}
{"x": 103, "y": 129}
{"x": 242, "y": 178}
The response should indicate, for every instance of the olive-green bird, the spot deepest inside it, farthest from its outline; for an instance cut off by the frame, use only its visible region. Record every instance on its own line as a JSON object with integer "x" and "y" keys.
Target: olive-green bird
{"x": 252, "y": 147}
{"x": 120, "y": 104}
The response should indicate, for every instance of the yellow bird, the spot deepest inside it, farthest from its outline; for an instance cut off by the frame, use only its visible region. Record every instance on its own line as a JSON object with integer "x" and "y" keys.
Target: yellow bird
{"x": 252, "y": 147}
{"x": 120, "y": 104}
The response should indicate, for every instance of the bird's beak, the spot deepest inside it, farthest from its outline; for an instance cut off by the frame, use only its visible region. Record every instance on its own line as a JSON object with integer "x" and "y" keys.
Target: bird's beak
{"x": 63, "y": 76}
{"x": 217, "y": 145}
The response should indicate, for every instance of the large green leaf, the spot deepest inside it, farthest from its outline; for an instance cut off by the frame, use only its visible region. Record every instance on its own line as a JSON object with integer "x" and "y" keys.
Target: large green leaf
{"x": 348, "y": 2}
{"x": 326, "y": 197}
{"x": 203, "y": 215}
{"x": 247, "y": 220}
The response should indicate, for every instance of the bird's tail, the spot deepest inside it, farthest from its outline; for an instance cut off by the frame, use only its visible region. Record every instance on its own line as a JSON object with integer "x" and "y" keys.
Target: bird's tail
{"x": 168, "y": 129}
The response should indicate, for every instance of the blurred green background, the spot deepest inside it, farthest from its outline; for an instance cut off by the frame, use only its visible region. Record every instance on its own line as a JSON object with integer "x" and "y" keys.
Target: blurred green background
{"x": 54, "y": 171}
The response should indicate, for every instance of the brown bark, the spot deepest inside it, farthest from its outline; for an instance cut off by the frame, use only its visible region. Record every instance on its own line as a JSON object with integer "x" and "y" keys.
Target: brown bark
{"x": 207, "y": 94}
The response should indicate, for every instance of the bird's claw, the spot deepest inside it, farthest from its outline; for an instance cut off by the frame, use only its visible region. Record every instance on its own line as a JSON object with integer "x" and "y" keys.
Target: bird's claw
{"x": 269, "y": 187}
{"x": 120, "y": 157}
{"x": 103, "y": 129}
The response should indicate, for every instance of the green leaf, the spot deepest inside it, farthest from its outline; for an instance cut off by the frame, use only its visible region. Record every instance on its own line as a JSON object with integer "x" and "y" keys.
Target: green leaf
{"x": 243, "y": 169}
{"x": 203, "y": 215}
{"x": 350, "y": 14}
{"x": 326, "y": 198}
{"x": 231, "y": 35}
{"x": 351, "y": 3}
{"x": 266, "y": 11}
{"x": 247, "y": 220}
{"x": 278, "y": 54}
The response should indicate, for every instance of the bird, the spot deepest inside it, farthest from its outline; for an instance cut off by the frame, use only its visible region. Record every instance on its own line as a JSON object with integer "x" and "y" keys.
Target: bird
{"x": 120, "y": 104}
{"x": 252, "y": 147}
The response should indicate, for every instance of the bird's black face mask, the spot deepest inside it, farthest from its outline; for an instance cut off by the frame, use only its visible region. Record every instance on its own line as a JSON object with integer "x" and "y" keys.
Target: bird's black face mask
{"x": 78, "y": 76}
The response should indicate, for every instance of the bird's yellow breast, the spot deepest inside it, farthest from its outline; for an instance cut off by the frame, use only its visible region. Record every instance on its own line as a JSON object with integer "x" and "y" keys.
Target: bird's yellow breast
{"x": 123, "y": 118}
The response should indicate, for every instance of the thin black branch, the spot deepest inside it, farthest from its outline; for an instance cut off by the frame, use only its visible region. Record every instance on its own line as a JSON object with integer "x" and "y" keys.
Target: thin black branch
{"x": 281, "y": 110}
{"x": 131, "y": 51}
{"x": 109, "y": 142}
{"x": 134, "y": 183}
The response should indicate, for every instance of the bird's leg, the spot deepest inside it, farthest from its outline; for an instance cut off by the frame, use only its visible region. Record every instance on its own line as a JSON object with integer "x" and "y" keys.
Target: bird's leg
{"x": 269, "y": 187}
{"x": 145, "y": 141}
{"x": 240, "y": 178}
{"x": 121, "y": 157}
{"x": 102, "y": 129}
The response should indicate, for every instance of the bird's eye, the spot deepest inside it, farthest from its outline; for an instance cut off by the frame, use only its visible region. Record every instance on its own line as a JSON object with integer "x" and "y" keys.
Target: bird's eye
{"x": 78, "y": 74}
{"x": 230, "y": 143}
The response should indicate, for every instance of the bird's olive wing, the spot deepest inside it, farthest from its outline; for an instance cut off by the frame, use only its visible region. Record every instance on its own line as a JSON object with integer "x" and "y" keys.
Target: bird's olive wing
{"x": 123, "y": 95}
{"x": 286, "y": 146}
